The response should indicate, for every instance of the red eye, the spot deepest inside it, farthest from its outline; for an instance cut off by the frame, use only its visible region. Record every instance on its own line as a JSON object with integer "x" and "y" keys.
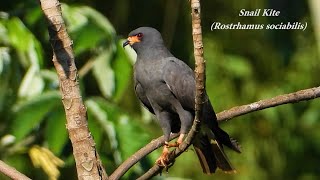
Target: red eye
{"x": 139, "y": 35}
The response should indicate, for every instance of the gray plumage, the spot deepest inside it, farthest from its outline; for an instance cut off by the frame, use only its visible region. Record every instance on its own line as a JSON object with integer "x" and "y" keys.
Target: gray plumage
{"x": 166, "y": 87}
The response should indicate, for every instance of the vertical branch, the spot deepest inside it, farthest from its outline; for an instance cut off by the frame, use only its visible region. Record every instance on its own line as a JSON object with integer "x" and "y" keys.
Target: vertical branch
{"x": 315, "y": 14}
{"x": 86, "y": 157}
{"x": 200, "y": 67}
{"x": 200, "y": 89}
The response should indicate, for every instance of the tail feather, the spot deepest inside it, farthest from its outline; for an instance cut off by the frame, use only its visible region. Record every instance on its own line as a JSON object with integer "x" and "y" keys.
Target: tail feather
{"x": 211, "y": 155}
{"x": 222, "y": 160}
{"x": 209, "y": 141}
{"x": 210, "y": 120}
{"x": 225, "y": 139}
{"x": 207, "y": 161}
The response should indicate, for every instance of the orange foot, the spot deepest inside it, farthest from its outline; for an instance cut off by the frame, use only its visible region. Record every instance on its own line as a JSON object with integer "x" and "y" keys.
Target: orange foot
{"x": 163, "y": 160}
{"x": 177, "y": 143}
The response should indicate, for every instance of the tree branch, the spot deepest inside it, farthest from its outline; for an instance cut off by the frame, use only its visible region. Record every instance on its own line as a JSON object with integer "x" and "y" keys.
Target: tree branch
{"x": 86, "y": 157}
{"x": 298, "y": 96}
{"x": 12, "y": 172}
{"x": 137, "y": 156}
{"x": 302, "y": 95}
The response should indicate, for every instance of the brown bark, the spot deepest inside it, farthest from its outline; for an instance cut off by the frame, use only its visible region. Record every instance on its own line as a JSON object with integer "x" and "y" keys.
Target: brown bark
{"x": 86, "y": 157}
{"x": 12, "y": 172}
{"x": 137, "y": 156}
{"x": 294, "y": 97}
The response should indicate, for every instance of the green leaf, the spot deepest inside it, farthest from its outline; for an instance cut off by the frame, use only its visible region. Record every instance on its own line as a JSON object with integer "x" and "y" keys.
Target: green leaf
{"x": 5, "y": 59}
{"x": 29, "y": 114}
{"x": 82, "y": 42}
{"x": 107, "y": 127}
{"x": 50, "y": 77}
{"x": 32, "y": 83}
{"x": 99, "y": 19}
{"x": 27, "y": 46}
{"x": 131, "y": 135}
{"x": 129, "y": 132}
{"x": 123, "y": 72}
{"x": 84, "y": 22}
{"x": 131, "y": 54}
{"x": 56, "y": 132}
{"x": 3, "y": 32}
{"x": 77, "y": 17}
{"x": 104, "y": 74}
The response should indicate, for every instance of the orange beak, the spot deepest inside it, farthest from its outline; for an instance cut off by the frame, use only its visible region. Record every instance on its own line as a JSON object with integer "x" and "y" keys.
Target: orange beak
{"x": 131, "y": 40}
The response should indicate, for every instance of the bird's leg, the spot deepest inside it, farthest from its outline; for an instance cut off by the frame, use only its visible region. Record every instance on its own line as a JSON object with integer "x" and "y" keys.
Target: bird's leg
{"x": 178, "y": 142}
{"x": 163, "y": 160}
{"x": 180, "y": 139}
{"x": 164, "y": 119}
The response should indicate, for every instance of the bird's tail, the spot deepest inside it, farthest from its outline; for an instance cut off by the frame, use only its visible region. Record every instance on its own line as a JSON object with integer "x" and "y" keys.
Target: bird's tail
{"x": 211, "y": 155}
{"x": 225, "y": 139}
{"x": 209, "y": 141}
{"x": 211, "y": 125}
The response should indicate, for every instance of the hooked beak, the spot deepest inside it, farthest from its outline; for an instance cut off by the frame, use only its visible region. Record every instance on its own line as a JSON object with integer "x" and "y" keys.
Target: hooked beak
{"x": 125, "y": 43}
{"x": 131, "y": 40}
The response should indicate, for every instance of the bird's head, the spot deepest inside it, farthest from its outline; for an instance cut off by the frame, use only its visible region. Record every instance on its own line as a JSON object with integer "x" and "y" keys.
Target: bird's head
{"x": 143, "y": 38}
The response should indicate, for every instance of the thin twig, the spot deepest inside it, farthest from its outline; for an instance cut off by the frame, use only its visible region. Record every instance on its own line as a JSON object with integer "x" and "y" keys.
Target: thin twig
{"x": 295, "y": 97}
{"x": 12, "y": 172}
{"x": 136, "y": 157}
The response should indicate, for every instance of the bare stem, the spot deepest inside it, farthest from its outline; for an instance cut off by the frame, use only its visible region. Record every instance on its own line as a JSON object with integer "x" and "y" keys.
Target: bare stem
{"x": 12, "y": 172}
{"x": 294, "y": 97}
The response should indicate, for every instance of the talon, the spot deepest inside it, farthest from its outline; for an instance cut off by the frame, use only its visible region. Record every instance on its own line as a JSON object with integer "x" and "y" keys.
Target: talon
{"x": 163, "y": 160}
{"x": 176, "y": 144}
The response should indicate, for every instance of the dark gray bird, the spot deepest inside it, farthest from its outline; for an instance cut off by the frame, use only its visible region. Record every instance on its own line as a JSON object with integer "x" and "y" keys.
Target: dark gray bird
{"x": 166, "y": 87}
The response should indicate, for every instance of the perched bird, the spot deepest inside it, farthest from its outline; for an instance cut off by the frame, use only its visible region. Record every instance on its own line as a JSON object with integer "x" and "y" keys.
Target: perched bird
{"x": 166, "y": 87}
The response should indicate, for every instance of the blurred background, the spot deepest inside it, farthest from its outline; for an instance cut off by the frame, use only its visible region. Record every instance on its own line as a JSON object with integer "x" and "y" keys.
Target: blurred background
{"x": 243, "y": 66}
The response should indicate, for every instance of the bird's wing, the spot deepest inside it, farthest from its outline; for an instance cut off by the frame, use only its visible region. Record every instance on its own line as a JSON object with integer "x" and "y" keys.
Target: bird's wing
{"x": 179, "y": 78}
{"x": 181, "y": 81}
{"x": 142, "y": 96}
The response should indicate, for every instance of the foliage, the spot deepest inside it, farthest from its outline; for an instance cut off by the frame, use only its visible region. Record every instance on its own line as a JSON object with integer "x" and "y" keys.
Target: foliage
{"x": 242, "y": 67}
{"x": 31, "y": 103}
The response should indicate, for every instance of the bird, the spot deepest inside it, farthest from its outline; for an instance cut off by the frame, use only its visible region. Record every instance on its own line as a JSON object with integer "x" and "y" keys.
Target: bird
{"x": 165, "y": 85}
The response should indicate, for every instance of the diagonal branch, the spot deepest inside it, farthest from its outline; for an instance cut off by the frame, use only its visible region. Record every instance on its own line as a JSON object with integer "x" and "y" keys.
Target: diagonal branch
{"x": 294, "y": 97}
{"x": 87, "y": 160}
{"x": 137, "y": 156}
{"x": 12, "y": 172}
{"x": 302, "y": 95}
